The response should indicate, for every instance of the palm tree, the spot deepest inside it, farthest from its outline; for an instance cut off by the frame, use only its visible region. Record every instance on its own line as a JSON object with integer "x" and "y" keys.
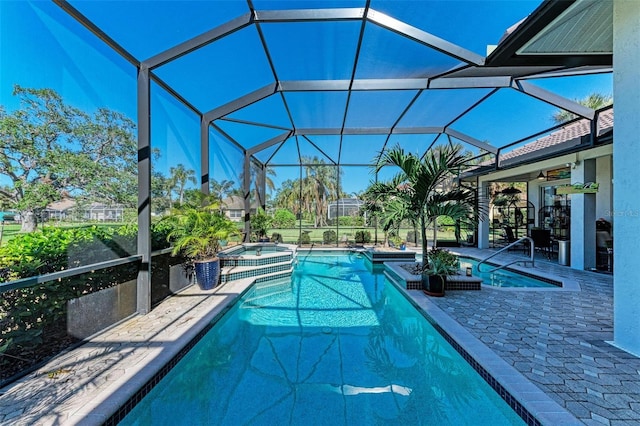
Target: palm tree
{"x": 420, "y": 187}
{"x": 221, "y": 190}
{"x": 180, "y": 176}
{"x": 593, "y": 101}
{"x": 255, "y": 170}
{"x": 318, "y": 186}
{"x": 288, "y": 196}
{"x": 389, "y": 210}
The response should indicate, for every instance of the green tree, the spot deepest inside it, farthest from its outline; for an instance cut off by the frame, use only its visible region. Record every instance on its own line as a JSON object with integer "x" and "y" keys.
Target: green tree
{"x": 283, "y": 218}
{"x": 50, "y": 150}
{"x": 161, "y": 187}
{"x": 288, "y": 197}
{"x": 319, "y": 185}
{"x": 180, "y": 177}
{"x": 221, "y": 190}
{"x": 255, "y": 171}
{"x": 593, "y": 101}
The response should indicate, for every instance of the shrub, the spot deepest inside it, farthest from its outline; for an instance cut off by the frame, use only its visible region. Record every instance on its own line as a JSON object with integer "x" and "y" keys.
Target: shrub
{"x": 363, "y": 237}
{"x": 350, "y": 221}
{"x": 305, "y": 238}
{"x": 329, "y": 237}
{"x": 444, "y": 257}
{"x": 33, "y": 319}
{"x": 445, "y": 221}
{"x": 260, "y": 223}
{"x": 283, "y": 218}
{"x": 395, "y": 239}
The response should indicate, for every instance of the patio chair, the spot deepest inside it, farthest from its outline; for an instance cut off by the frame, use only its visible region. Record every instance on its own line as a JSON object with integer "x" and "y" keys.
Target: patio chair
{"x": 542, "y": 240}
{"x": 509, "y": 238}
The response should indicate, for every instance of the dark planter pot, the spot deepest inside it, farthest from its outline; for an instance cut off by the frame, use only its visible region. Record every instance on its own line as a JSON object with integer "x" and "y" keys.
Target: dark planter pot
{"x": 208, "y": 273}
{"x": 433, "y": 285}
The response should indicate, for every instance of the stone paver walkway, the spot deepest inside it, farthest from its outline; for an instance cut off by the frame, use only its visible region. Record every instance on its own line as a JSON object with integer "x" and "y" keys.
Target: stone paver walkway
{"x": 557, "y": 339}
{"x": 88, "y": 384}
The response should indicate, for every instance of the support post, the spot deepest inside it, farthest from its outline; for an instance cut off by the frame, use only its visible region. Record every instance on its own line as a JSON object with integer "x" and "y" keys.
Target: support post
{"x": 626, "y": 174}
{"x": 583, "y": 218}
{"x": 143, "y": 303}
{"x": 246, "y": 190}
{"x": 484, "y": 224}
{"x": 204, "y": 155}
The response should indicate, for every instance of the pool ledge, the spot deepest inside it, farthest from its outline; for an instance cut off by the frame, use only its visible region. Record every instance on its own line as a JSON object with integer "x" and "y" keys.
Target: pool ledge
{"x": 568, "y": 284}
{"x": 97, "y": 378}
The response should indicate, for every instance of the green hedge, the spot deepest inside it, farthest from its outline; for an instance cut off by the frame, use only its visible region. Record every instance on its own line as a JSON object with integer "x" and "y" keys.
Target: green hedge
{"x": 33, "y": 319}
{"x": 55, "y": 249}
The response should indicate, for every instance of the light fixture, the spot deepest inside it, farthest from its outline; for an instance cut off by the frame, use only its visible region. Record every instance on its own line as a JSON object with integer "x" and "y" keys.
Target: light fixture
{"x": 541, "y": 176}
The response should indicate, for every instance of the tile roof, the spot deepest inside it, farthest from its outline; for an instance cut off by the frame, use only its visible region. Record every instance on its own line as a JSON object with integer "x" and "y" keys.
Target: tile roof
{"x": 566, "y": 137}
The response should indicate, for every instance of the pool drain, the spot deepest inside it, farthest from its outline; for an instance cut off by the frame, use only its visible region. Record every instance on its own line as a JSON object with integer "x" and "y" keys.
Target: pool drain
{"x": 326, "y": 330}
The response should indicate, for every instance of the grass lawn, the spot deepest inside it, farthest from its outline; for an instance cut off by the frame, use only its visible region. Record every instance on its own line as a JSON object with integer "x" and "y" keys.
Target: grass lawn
{"x": 9, "y": 231}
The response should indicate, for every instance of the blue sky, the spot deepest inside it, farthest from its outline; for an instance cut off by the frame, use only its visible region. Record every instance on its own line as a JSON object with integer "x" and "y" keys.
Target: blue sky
{"x": 40, "y": 46}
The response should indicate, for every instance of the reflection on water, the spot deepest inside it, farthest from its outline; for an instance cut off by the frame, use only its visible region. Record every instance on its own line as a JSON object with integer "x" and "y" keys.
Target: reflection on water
{"x": 334, "y": 345}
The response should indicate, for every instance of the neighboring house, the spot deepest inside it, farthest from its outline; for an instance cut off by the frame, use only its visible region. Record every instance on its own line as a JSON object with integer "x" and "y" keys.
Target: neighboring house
{"x": 233, "y": 208}
{"x": 60, "y": 210}
{"x": 344, "y": 207}
{"x": 69, "y": 210}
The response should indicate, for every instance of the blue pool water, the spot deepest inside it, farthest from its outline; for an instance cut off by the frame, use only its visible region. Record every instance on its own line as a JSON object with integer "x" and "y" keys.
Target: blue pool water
{"x": 503, "y": 277}
{"x": 337, "y": 344}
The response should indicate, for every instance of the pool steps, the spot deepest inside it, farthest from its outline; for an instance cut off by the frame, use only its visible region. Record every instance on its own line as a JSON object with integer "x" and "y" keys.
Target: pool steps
{"x": 273, "y": 262}
{"x": 267, "y": 294}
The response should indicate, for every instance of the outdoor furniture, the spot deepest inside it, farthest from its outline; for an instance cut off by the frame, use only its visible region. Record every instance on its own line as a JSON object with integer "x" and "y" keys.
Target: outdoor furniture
{"x": 509, "y": 238}
{"x": 542, "y": 241}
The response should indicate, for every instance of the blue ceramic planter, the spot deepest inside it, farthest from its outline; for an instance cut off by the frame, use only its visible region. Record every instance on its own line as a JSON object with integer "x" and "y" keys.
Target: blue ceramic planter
{"x": 208, "y": 273}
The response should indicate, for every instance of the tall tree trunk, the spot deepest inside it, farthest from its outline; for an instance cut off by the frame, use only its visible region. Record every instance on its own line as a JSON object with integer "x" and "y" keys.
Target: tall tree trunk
{"x": 435, "y": 232}
{"x": 423, "y": 229}
{"x": 28, "y": 219}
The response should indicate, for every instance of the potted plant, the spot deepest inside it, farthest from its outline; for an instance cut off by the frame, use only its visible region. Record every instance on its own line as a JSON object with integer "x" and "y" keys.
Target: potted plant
{"x": 441, "y": 264}
{"x": 197, "y": 233}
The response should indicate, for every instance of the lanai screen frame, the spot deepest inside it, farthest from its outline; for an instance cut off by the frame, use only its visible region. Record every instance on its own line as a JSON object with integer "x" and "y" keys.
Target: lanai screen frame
{"x": 471, "y": 74}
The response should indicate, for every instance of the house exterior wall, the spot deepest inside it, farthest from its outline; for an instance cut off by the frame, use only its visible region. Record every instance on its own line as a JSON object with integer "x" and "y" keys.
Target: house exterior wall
{"x": 602, "y": 156}
{"x": 626, "y": 203}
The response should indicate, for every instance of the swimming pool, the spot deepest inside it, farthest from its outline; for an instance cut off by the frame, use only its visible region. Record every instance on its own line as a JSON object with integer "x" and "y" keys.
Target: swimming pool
{"x": 335, "y": 344}
{"x": 505, "y": 277}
